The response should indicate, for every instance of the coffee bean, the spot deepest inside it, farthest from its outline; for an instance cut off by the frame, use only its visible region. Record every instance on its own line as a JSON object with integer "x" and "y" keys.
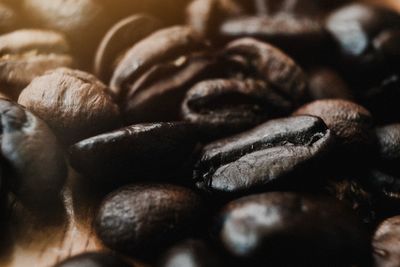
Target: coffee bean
{"x": 288, "y": 229}
{"x": 32, "y": 159}
{"x": 385, "y": 243}
{"x": 351, "y": 123}
{"x": 25, "y": 54}
{"x": 118, "y": 39}
{"x": 264, "y": 156}
{"x": 138, "y": 152}
{"x": 326, "y": 83}
{"x": 357, "y": 29}
{"x": 94, "y": 259}
{"x": 141, "y": 220}
{"x": 389, "y": 146}
{"x": 74, "y": 104}
{"x": 193, "y": 253}
{"x": 230, "y": 106}
{"x": 162, "y": 46}
{"x": 272, "y": 65}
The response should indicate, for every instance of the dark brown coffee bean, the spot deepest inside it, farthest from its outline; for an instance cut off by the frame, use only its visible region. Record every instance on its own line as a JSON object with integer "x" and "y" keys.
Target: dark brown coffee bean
{"x": 288, "y": 229}
{"x": 193, "y": 253}
{"x": 138, "y": 152}
{"x": 25, "y": 54}
{"x": 264, "y": 156}
{"x": 385, "y": 243}
{"x": 158, "y": 93}
{"x": 230, "y": 106}
{"x": 389, "y": 147}
{"x": 32, "y": 159}
{"x": 272, "y": 65}
{"x": 357, "y": 29}
{"x": 74, "y": 104}
{"x": 94, "y": 259}
{"x": 118, "y": 39}
{"x": 326, "y": 83}
{"x": 142, "y": 219}
{"x": 165, "y": 45}
{"x": 351, "y": 123}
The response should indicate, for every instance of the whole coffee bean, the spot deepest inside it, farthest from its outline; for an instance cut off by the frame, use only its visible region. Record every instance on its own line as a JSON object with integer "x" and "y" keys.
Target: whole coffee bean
{"x": 389, "y": 146}
{"x": 351, "y": 122}
{"x": 74, "y": 104}
{"x": 118, "y": 39}
{"x": 267, "y": 155}
{"x": 230, "y": 106}
{"x": 162, "y": 46}
{"x": 32, "y": 159}
{"x": 144, "y": 151}
{"x": 357, "y": 29}
{"x": 385, "y": 243}
{"x": 288, "y": 229}
{"x": 191, "y": 253}
{"x": 272, "y": 65}
{"x": 141, "y": 220}
{"x": 25, "y": 54}
{"x": 94, "y": 259}
{"x": 326, "y": 83}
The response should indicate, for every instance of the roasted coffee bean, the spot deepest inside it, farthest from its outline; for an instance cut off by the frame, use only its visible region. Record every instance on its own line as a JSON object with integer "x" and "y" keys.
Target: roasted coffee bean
{"x": 32, "y": 159}
{"x": 166, "y": 45}
{"x": 267, "y": 155}
{"x": 141, "y": 220}
{"x": 359, "y": 30}
{"x": 385, "y": 243}
{"x": 288, "y": 229}
{"x": 94, "y": 259}
{"x": 351, "y": 122}
{"x": 74, "y": 104}
{"x": 8, "y": 18}
{"x": 118, "y": 39}
{"x": 138, "y": 152}
{"x": 230, "y": 106}
{"x": 25, "y": 54}
{"x": 191, "y": 253}
{"x": 272, "y": 65}
{"x": 326, "y": 83}
{"x": 389, "y": 147}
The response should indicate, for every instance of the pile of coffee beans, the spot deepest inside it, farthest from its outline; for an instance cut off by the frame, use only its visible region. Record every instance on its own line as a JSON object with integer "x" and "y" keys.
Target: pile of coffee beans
{"x": 216, "y": 132}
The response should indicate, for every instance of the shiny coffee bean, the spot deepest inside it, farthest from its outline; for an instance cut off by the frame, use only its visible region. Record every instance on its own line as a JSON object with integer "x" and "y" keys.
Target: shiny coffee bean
{"x": 74, "y": 104}
{"x": 385, "y": 243}
{"x": 141, "y": 220}
{"x": 389, "y": 147}
{"x": 267, "y": 155}
{"x": 118, "y": 39}
{"x": 230, "y": 105}
{"x": 351, "y": 122}
{"x": 288, "y": 229}
{"x": 326, "y": 83}
{"x": 272, "y": 65}
{"x": 32, "y": 159}
{"x": 25, "y": 54}
{"x": 138, "y": 152}
{"x": 94, "y": 259}
{"x": 165, "y": 45}
{"x": 360, "y": 31}
{"x": 191, "y": 253}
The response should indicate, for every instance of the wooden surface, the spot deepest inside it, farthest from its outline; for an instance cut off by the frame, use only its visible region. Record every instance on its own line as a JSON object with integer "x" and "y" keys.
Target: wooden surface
{"x": 26, "y": 241}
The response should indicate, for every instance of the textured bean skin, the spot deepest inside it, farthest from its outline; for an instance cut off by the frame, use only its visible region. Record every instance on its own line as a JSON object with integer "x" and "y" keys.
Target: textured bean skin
{"x": 262, "y": 156}
{"x": 385, "y": 243}
{"x": 74, "y": 104}
{"x": 36, "y": 178}
{"x": 144, "y": 151}
{"x": 288, "y": 228}
{"x": 389, "y": 145}
{"x": 141, "y": 219}
{"x": 94, "y": 259}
